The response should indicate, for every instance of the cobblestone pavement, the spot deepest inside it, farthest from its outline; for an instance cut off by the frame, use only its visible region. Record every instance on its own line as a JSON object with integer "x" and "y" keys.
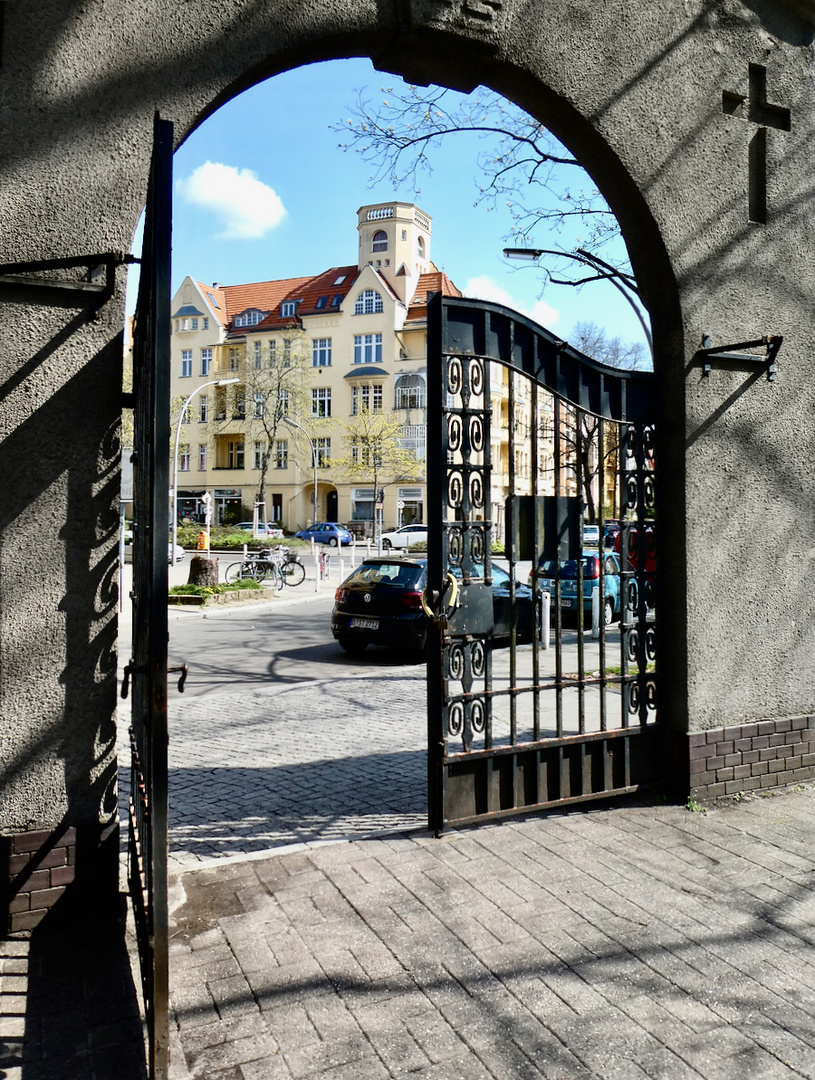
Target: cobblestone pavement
{"x": 623, "y": 942}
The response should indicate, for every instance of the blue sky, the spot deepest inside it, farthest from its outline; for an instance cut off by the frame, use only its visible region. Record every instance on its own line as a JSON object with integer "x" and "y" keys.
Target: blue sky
{"x": 262, "y": 191}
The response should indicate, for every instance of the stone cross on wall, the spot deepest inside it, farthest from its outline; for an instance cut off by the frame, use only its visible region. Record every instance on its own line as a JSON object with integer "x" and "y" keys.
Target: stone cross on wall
{"x": 759, "y": 111}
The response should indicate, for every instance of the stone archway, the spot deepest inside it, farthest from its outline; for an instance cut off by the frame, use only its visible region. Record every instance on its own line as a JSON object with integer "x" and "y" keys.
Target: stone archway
{"x": 711, "y": 185}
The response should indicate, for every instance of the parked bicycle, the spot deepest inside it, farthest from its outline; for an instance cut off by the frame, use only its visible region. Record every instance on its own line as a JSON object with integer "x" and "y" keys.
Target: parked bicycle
{"x": 276, "y": 563}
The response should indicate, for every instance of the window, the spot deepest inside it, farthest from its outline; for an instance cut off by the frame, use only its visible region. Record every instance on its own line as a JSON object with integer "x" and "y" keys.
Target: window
{"x": 336, "y": 300}
{"x": 281, "y": 458}
{"x": 206, "y": 360}
{"x": 185, "y": 324}
{"x": 195, "y": 324}
{"x": 286, "y": 352}
{"x": 362, "y": 504}
{"x": 260, "y": 402}
{"x": 203, "y": 409}
{"x": 186, "y": 363}
{"x": 365, "y": 450}
{"x": 283, "y": 403}
{"x": 220, "y": 403}
{"x": 321, "y": 402}
{"x": 420, "y": 247}
{"x": 188, "y": 413}
{"x": 240, "y": 403}
{"x": 321, "y": 302}
{"x": 260, "y": 454}
{"x": 367, "y": 348}
{"x": 322, "y": 448}
{"x": 340, "y": 279}
{"x": 412, "y": 437}
{"x": 288, "y": 307}
{"x": 205, "y": 325}
{"x": 234, "y": 359}
{"x": 368, "y": 303}
{"x": 184, "y": 457}
{"x": 258, "y": 355}
{"x": 249, "y": 318}
{"x": 367, "y": 398}
{"x": 202, "y": 457}
{"x": 410, "y": 392}
{"x": 380, "y": 242}
{"x": 234, "y": 456}
{"x": 321, "y": 352}
{"x": 272, "y": 353}
{"x": 213, "y": 301}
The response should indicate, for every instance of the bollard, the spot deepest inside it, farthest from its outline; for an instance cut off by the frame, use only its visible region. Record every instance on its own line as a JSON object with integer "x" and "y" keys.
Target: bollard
{"x": 546, "y": 628}
{"x": 595, "y": 612}
{"x": 342, "y": 568}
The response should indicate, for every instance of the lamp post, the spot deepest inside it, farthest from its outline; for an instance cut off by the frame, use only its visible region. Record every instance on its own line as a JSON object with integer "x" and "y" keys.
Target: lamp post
{"x": 174, "y": 495}
{"x": 293, "y": 423}
{"x": 625, "y": 283}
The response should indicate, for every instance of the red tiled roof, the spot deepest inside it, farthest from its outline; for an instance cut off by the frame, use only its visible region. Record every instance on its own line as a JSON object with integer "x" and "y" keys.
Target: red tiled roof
{"x": 433, "y": 282}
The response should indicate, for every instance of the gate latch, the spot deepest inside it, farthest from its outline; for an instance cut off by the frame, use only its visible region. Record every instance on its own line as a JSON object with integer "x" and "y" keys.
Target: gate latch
{"x": 131, "y": 669}
{"x": 441, "y": 618}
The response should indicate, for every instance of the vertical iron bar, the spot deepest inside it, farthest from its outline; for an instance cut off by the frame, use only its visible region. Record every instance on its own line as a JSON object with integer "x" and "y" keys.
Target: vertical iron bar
{"x": 513, "y": 712}
{"x": 536, "y": 549}
{"x": 601, "y": 429}
{"x": 558, "y": 585}
{"x": 437, "y": 481}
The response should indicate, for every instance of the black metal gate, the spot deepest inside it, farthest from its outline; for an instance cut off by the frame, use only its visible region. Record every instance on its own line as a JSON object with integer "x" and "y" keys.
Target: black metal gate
{"x": 528, "y": 442}
{"x": 146, "y": 673}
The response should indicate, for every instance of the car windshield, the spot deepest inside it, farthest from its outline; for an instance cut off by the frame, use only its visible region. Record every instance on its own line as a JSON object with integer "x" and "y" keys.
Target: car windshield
{"x": 399, "y": 574}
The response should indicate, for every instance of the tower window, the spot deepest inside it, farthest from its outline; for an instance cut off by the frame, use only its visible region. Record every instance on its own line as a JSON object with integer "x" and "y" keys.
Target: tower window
{"x": 380, "y": 242}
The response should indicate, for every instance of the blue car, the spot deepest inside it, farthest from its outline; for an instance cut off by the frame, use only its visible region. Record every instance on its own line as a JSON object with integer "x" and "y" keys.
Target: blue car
{"x": 326, "y": 532}
{"x": 591, "y": 580}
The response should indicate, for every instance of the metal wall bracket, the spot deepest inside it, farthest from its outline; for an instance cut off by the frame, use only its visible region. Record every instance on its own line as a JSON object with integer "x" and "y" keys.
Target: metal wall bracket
{"x": 729, "y": 354}
{"x": 98, "y": 282}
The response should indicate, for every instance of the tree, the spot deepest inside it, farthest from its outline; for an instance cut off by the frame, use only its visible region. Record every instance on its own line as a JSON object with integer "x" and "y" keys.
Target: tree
{"x": 374, "y": 454}
{"x": 275, "y": 377}
{"x": 521, "y": 166}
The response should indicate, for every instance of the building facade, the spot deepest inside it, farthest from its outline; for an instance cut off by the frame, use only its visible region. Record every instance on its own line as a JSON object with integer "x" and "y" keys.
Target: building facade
{"x": 306, "y": 397}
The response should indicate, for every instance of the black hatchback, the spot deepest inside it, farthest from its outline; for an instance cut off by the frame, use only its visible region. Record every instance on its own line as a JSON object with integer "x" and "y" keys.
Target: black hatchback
{"x": 380, "y": 603}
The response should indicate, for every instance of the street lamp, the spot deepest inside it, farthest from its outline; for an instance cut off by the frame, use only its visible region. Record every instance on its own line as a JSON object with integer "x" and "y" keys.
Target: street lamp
{"x": 174, "y": 496}
{"x": 293, "y": 423}
{"x": 625, "y": 283}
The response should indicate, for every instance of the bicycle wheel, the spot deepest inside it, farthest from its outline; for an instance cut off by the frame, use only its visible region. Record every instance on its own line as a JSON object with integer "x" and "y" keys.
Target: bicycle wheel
{"x": 259, "y": 570}
{"x": 234, "y": 573}
{"x": 294, "y": 572}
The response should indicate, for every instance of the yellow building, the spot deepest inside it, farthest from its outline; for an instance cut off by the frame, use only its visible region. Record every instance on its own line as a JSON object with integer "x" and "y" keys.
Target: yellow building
{"x": 313, "y": 371}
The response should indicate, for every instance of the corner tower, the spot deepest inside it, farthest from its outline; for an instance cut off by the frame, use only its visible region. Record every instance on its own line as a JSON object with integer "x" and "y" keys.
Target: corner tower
{"x": 394, "y": 238}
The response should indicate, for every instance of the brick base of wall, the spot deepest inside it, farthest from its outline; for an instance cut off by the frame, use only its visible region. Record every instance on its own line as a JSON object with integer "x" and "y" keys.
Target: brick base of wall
{"x": 751, "y": 757}
{"x": 37, "y": 868}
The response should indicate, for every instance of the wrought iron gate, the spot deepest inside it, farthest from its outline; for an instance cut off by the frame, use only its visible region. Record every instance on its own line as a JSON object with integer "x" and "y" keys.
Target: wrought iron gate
{"x": 146, "y": 673}
{"x": 530, "y": 438}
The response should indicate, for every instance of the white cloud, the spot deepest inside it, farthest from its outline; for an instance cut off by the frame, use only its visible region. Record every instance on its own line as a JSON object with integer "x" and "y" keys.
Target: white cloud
{"x": 247, "y": 207}
{"x": 484, "y": 288}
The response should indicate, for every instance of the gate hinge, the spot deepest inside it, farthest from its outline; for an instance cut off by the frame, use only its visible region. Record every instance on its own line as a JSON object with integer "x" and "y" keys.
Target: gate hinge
{"x": 98, "y": 282}
{"x": 770, "y": 342}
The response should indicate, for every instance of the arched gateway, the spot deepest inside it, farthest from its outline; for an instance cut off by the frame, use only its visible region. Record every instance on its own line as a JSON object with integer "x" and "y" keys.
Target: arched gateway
{"x": 695, "y": 120}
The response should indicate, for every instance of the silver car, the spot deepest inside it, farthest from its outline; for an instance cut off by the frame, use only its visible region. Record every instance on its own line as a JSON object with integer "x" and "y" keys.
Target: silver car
{"x": 404, "y": 537}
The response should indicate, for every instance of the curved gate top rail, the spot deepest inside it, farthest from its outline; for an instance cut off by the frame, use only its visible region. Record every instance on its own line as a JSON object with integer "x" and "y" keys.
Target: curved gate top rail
{"x": 482, "y": 328}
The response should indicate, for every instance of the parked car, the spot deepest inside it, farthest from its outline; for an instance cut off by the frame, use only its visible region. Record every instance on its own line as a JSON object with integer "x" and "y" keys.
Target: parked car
{"x": 591, "y": 535}
{"x": 176, "y": 555}
{"x": 404, "y": 537}
{"x": 265, "y": 528}
{"x": 380, "y": 603}
{"x": 326, "y": 532}
{"x": 591, "y": 580}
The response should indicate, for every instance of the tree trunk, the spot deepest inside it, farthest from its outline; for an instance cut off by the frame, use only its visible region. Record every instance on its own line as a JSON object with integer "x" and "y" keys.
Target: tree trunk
{"x": 203, "y": 571}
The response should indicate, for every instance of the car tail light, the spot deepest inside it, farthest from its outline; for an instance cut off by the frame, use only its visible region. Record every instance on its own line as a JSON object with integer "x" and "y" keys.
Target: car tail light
{"x": 592, "y": 568}
{"x": 339, "y": 595}
{"x": 412, "y": 601}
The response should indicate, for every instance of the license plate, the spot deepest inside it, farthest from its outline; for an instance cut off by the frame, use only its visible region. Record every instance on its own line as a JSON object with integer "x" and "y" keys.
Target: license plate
{"x": 365, "y": 624}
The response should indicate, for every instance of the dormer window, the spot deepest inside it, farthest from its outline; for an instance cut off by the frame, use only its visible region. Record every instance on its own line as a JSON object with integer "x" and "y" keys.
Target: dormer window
{"x": 340, "y": 279}
{"x": 380, "y": 241}
{"x": 251, "y": 317}
{"x": 321, "y": 302}
{"x": 288, "y": 308}
{"x": 368, "y": 303}
{"x": 336, "y": 300}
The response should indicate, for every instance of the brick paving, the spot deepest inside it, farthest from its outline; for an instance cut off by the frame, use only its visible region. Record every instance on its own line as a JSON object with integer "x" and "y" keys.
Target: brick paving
{"x": 618, "y": 943}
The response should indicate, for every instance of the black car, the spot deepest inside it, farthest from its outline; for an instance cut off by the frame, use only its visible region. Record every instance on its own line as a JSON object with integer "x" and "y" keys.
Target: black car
{"x": 380, "y": 603}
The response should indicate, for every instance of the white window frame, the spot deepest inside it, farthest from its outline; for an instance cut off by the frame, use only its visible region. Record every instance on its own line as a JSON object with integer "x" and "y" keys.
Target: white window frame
{"x": 367, "y": 348}
{"x": 321, "y": 402}
{"x": 321, "y": 352}
{"x": 206, "y": 361}
{"x": 186, "y": 363}
{"x": 369, "y": 302}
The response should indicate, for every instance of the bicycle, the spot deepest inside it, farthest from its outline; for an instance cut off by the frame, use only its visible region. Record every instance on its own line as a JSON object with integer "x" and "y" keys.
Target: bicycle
{"x": 257, "y": 568}
{"x": 278, "y": 563}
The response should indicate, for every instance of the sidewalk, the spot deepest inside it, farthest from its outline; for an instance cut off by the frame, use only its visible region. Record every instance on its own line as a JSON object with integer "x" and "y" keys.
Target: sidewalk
{"x": 622, "y": 942}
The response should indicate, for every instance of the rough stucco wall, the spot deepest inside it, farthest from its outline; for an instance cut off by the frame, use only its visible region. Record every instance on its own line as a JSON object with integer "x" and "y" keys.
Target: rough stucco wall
{"x": 636, "y": 90}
